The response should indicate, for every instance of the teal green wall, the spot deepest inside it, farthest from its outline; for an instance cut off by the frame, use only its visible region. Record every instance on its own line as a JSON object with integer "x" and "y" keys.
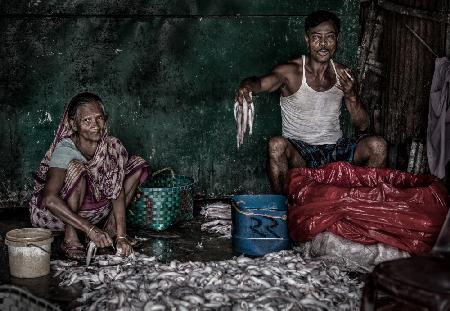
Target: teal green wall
{"x": 167, "y": 72}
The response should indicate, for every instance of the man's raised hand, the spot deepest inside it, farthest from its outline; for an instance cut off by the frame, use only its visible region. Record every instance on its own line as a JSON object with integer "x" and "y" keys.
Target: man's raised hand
{"x": 347, "y": 82}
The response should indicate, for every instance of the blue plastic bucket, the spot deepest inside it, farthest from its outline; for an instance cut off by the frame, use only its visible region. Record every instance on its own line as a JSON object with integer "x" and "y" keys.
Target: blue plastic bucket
{"x": 259, "y": 224}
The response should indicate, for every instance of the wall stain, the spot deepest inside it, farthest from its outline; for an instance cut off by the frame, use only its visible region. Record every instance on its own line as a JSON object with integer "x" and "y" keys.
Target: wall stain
{"x": 167, "y": 72}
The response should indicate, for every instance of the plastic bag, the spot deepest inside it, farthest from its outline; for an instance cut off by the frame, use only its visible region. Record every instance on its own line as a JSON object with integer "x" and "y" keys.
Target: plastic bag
{"x": 366, "y": 205}
{"x": 356, "y": 256}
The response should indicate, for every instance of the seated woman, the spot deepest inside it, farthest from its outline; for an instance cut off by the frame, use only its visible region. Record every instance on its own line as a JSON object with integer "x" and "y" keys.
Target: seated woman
{"x": 86, "y": 176}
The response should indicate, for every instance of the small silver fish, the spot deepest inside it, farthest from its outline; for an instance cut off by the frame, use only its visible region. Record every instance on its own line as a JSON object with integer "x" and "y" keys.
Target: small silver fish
{"x": 277, "y": 281}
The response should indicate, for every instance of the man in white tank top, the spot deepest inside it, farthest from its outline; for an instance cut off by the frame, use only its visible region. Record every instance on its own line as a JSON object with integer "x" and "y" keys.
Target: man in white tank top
{"x": 312, "y": 90}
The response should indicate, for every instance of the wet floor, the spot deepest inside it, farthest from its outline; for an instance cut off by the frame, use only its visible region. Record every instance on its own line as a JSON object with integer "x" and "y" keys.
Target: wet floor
{"x": 183, "y": 242}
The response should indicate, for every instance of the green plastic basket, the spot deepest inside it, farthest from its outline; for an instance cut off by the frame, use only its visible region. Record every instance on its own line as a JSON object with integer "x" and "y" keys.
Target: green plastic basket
{"x": 162, "y": 201}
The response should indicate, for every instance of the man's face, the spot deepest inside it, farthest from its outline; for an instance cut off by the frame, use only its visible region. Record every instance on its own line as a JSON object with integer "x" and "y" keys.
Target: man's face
{"x": 322, "y": 41}
{"x": 90, "y": 122}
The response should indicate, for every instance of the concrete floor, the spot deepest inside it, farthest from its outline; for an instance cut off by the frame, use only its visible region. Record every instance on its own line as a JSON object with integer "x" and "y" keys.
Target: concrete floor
{"x": 181, "y": 242}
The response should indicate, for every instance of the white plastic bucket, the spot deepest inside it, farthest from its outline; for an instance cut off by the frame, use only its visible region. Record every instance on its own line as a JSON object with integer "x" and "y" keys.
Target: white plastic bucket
{"x": 29, "y": 252}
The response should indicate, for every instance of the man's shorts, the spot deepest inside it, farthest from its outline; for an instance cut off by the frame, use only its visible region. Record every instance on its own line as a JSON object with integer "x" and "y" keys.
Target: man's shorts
{"x": 318, "y": 155}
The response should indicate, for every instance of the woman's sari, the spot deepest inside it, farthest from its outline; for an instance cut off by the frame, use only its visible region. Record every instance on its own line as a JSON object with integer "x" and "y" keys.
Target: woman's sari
{"x": 104, "y": 174}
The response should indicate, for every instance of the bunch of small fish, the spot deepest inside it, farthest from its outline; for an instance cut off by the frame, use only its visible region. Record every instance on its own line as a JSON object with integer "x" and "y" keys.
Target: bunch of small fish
{"x": 277, "y": 281}
{"x": 244, "y": 115}
{"x": 218, "y": 217}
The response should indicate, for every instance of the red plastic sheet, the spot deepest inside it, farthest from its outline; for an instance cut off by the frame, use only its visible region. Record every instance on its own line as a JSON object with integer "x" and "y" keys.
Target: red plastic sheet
{"x": 366, "y": 205}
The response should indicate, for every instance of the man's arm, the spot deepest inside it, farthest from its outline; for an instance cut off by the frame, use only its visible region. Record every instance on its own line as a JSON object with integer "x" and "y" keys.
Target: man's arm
{"x": 267, "y": 83}
{"x": 348, "y": 85}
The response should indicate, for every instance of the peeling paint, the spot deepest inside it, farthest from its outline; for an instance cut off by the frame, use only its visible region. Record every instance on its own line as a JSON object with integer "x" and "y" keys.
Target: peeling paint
{"x": 46, "y": 119}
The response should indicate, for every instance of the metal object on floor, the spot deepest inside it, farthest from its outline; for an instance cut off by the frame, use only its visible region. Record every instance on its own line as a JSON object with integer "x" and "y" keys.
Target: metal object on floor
{"x": 91, "y": 251}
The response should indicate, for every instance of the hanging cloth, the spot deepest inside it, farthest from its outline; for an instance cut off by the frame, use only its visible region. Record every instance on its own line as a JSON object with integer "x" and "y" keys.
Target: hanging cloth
{"x": 438, "y": 132}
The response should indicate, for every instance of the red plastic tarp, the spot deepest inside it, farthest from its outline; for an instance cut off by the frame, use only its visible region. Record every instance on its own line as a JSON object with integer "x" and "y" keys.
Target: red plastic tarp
{"x": 366, "y": 205}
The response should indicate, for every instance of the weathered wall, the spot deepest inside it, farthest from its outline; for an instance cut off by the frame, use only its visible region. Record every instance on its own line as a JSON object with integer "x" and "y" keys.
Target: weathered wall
{"x": 409, "y": 65}
{"x": 167, "y": 72}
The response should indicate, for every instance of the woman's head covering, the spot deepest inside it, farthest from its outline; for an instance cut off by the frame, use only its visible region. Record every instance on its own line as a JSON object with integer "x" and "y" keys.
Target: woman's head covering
{"x": 105, "y": 169}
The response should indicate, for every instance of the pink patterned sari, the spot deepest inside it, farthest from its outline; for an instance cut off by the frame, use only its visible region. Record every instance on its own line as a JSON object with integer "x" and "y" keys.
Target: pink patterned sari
{"x": 105, "y": 174}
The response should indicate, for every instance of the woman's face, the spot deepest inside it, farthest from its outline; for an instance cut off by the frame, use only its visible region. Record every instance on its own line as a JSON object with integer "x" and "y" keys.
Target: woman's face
{"x": 89, "y": 123}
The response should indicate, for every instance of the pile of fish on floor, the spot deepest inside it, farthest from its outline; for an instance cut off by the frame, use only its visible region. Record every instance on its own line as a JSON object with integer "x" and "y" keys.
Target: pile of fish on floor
{"x": 217, "y": 219}
{"x": 284, "y": 280}
{"x": 277, "y": 281}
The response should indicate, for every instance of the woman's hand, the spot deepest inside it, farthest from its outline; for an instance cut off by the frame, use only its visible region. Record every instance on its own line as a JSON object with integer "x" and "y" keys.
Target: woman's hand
{"x": 99, "y": 237}
{"x": 124, "y": 247}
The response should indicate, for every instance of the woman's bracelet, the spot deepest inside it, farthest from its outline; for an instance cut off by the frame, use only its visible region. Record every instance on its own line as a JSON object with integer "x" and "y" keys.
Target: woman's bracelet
{"x": 90, "y": 230}
{"x": 121, "y": 237}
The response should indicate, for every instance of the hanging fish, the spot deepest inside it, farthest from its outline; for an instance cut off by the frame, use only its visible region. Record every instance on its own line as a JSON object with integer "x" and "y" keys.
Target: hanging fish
{"x": 243, "y": 115}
